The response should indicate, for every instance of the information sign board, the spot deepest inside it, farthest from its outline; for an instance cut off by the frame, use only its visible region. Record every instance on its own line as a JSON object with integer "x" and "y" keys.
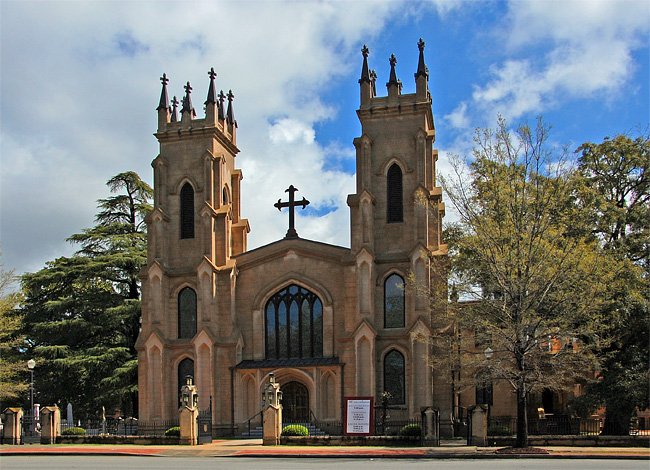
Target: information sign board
{"x": 359, "y": 419}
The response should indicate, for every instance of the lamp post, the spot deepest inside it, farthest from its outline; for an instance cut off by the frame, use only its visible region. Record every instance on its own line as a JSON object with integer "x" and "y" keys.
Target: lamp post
{"x": 31, "y": 364}
{"x": 488, "y": 353}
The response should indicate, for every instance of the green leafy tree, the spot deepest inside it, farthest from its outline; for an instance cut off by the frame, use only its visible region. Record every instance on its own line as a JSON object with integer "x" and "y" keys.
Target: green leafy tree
{"x": 12, "y": 362}
{"x": 614, "y": 191}
{"x": 530, "y": 282}
{"x": 82, "y": 313}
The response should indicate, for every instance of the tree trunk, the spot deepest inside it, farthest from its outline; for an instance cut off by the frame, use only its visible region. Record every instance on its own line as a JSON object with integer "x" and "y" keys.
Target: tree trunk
{"x": 617, "y": 421}
{"x": 522, "y": 418}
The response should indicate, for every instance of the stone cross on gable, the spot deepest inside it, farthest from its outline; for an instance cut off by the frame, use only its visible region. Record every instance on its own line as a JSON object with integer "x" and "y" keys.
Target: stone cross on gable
{"x": 291, "y": 233}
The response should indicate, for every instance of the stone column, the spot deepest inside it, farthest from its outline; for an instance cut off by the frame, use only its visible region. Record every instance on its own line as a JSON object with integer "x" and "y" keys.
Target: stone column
{"x": 50, "y": 424}
{"x": 187, "y": 421}
{"x": 430, "y": 426}
{"x": 272, "y": 425}
{"x": 478, "y": 425}
{"x": 13, "y": 425}
{"x": 187, "y": 414}
{"x": 272, "y": 412}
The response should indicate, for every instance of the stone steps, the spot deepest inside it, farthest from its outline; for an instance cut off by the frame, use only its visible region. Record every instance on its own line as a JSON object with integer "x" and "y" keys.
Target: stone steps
{"x": 258, "y": 432}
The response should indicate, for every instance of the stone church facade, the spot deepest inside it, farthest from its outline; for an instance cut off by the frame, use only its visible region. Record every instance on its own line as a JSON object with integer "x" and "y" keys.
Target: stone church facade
{"x": 329, "y": 321}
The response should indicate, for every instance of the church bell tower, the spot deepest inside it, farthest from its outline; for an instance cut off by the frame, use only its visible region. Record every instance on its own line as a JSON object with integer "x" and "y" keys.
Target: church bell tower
{"x": 194, "y": 231}
{"x": 396, "y": 220}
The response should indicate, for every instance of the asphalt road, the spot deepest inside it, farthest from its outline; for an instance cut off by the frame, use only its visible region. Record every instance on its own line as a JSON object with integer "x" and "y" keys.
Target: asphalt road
{"x": 96, "y": 462}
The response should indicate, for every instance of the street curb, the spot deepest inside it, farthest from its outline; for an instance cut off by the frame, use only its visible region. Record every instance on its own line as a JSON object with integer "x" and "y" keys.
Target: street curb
{"x": 433, "y": 456}
{"x": 450, "y": 456}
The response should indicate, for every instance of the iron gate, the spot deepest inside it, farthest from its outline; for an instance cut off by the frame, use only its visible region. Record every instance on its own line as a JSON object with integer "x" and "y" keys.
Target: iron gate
{"x": 204, "y": 425}
{"x": 30, "y": 430}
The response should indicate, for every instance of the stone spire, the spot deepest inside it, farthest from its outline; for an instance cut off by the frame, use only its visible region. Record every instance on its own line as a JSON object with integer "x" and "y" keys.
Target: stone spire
{"x": 230, "y": 115}
{"x": 211, "y": 103}
{"x": 163, "y": 106}
{"x": 365, "y": 74}
{"x": 174, "y": 110}
{"x": 187, "y": 109}
{"x": 222, "y": 114}
{"x": 422, "y": 76}
{"x": 392, "y": 80}
{"x": 164, "y": 100}
{"x": 422, "y": 68}
{"x": 394, "y": 85}
{"x": 231, "y": 122}
{"x": 365, "y": 80}
{"x": 212, "y": 92}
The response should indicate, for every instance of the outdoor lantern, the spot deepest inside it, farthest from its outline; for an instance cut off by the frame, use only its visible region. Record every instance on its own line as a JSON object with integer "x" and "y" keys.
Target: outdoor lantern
{"x": 189, "y": 397}
{"x": 272, "y": 396}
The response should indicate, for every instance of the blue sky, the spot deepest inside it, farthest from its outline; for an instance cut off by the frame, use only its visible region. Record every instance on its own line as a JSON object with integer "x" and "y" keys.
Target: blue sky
{"x": 79, "y": 87}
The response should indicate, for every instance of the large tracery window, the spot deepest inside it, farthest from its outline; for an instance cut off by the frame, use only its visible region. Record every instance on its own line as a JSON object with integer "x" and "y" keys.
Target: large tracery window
{"x": 394, "y": 211}
{"x": 294, "y": 324}
{"x": 187, "y": 211}
{"x": 394, "y": 377}
{"x": 394, "y": 302}
{"x": 186, "y": 313}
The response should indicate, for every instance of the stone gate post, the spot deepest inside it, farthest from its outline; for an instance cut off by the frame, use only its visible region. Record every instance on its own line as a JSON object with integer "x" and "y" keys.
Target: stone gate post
{"x": 13, "y": 426}
{"x": 187, "y": 414}
{"x": 272, "y": 412}
{"x": 478, "y": 425}
{"x": 50, "y": 424}
{"x": 430, "y": 426}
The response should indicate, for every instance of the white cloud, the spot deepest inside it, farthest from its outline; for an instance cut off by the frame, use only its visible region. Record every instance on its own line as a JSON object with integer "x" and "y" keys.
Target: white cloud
{"x": 290, "y": 131}
{"x": 571, "y": 50}
{"x": 458, "y": 117}
{"x": 80, "y": 86}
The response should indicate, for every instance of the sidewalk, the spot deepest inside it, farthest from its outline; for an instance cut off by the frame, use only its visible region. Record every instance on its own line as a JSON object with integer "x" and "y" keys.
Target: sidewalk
{"x": 254, "y": 448}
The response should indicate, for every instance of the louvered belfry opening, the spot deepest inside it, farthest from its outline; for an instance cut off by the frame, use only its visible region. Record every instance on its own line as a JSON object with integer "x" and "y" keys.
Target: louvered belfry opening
{"x": 394, "y": 194}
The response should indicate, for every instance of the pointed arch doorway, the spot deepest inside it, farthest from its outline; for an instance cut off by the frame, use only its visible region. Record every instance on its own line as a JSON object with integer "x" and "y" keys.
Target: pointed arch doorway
{"x": 295, "y": 402}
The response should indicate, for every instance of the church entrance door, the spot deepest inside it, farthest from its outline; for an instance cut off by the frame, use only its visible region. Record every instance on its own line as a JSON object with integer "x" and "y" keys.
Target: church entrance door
{"x": 295, "y": 402}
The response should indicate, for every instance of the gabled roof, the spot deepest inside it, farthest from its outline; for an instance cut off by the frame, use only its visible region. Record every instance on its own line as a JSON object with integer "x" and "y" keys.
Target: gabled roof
{"x": 293, "y": 362}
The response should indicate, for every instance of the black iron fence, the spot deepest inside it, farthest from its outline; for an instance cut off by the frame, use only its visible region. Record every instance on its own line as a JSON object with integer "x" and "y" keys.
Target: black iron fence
{"x": 121, "y": 427}
{"x": 387, "y": 422}
{"x": 551, "y": 425}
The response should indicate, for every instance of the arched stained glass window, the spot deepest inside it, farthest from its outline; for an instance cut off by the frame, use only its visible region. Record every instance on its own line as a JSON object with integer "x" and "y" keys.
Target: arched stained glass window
{"x": 185, "y": 369}
{"x": 186, "y": 313}
{"x": 394, "y": 377}
{"x": 394, "y": 211}
{"x": 394, "y": 302}
{"x": 187, "y": 211}
{"x": 294, "y": 324}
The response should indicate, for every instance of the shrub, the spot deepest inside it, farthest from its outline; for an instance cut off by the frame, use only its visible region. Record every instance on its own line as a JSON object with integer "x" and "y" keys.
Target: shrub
{"x": 295, "y": 430}
{"x": 173, "y": 432}
{"x": 74, "y": 431}
{"x": 414, "y": 430}
{"x": 498, "y": 430}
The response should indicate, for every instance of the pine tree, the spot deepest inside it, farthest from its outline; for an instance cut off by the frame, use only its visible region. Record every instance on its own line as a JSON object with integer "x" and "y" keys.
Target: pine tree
{"x": 12, "y": 365}
{"x": 82, "y": 313}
